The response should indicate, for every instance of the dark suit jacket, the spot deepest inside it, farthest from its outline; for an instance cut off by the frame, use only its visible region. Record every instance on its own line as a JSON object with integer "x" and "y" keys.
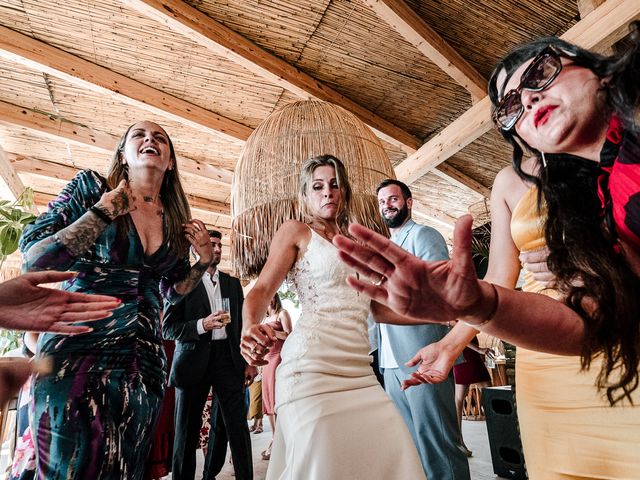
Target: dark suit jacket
{"x": 191, "y": 357}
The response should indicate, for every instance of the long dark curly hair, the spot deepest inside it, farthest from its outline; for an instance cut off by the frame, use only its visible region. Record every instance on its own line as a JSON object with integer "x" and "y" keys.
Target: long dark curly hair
{"x": 598, "y": 283}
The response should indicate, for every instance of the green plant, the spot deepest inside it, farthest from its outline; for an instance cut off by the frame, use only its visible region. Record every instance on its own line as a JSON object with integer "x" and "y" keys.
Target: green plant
{"x": 480, "y": 245}
{"x": 9, "y": 340}
{"x": 14, "y": 216}
{"x": 287, "y": 294}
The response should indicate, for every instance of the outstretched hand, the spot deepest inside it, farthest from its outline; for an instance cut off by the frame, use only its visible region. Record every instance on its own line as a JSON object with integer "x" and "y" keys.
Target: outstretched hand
{"x": 25, "y": 305}
{"x": 434, "y": 364}
{"x": 434, "y": 292}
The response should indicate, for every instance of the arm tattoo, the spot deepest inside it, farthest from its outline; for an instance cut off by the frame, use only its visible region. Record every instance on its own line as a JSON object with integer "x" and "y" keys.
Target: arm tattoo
{"x": 193, "y": 277}
{"x": 81, "y": 234}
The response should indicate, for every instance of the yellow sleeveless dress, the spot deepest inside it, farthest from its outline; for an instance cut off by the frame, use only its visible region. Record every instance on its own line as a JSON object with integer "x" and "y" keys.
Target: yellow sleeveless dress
{"x": 568, "y": 429}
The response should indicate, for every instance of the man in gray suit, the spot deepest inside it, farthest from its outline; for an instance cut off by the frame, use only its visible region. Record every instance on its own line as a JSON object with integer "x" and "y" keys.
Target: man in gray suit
{"x": 428, "y": 409}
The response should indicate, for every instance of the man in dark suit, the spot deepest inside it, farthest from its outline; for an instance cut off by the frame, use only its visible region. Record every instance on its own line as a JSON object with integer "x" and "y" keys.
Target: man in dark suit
{"x": 208, "y": 355}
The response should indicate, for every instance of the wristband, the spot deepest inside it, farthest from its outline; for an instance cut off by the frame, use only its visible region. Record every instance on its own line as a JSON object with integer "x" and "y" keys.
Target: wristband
{"x": 101, "y": 215}
{"x": 492, "y": 312}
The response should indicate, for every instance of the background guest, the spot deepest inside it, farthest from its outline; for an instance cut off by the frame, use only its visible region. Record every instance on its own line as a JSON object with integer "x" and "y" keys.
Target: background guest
{"x": 280, "y": 322}
{"x": 429, "y": 410}
{"x": 208, "y": 356}
{"x": 255, "y": 404}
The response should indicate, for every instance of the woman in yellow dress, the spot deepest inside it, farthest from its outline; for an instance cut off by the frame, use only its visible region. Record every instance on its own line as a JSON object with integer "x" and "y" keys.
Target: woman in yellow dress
{"x": 568, "y": 429}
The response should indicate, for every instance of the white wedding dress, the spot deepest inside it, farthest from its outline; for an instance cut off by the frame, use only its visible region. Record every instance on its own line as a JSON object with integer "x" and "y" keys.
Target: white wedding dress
{"x": 334, "y": 419}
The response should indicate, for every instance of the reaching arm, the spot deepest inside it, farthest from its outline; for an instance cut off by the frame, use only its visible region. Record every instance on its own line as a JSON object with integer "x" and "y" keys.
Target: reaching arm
{"x": 437, "y": 359}
{"x": 440, "y": 292}
{"x": 69, "y": 228}
{"x": 25, "y": 305}
{"x": 196, "y": 232}
{"x": 291, "y": 238}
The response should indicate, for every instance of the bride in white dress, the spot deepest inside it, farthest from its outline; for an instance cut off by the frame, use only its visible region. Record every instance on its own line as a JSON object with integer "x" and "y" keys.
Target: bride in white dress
{"x": 334, "y": 419}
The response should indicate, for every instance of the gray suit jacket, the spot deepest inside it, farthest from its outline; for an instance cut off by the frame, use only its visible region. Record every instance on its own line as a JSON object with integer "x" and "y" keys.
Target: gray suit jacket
{"x": 428, "y": 244}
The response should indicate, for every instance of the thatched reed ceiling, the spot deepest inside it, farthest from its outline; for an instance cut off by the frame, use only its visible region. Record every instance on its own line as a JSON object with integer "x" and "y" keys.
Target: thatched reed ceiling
{"x": 75, "y": 73}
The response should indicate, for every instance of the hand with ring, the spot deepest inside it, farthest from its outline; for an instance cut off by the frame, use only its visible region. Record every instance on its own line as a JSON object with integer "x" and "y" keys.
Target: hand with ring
{"x": 380, "y": 282}
{"x": 256, "y": 342}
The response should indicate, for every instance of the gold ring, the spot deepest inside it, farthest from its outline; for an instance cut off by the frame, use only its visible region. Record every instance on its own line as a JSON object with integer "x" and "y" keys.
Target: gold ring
{"x": 381, "y": 281}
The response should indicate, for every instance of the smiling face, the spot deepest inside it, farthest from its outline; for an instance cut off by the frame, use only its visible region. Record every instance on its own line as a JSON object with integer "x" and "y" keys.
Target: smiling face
{"x": 147, "y": 146}
{"x": 565, "y": 117}
{"x": 394, "y": 208}
{"x": 324, "y": 196}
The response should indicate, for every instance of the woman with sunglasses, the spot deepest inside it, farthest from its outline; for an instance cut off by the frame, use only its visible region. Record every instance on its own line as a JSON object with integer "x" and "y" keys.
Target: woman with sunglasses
{"x": 567, "y": 107}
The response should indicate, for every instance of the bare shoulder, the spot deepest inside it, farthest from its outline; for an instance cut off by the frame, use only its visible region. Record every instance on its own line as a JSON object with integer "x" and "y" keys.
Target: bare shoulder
{"x": 508, "y": 187}
{"x": 505, "y": 179}
{"x": 293, "y": 232}
{"x": 293, "y": 229}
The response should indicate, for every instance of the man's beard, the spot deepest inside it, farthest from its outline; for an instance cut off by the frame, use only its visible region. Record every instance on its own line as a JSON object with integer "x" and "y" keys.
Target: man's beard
{"x": 399, "y": 219}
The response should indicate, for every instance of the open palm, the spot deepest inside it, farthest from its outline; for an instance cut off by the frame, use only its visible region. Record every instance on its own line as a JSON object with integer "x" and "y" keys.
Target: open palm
{"x": 25, "y": 305}
{"x": 435, "y": 292}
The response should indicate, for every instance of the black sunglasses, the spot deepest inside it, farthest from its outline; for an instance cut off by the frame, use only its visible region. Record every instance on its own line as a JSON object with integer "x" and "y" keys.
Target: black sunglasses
{"x": 543, "y": 70}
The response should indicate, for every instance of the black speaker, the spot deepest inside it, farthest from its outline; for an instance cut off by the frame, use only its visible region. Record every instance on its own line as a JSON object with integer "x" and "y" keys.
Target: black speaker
{"x": 504, "y": 434}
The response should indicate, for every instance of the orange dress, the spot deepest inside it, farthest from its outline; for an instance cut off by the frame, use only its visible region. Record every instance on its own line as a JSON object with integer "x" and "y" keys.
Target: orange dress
{"x": 568, "y": 428}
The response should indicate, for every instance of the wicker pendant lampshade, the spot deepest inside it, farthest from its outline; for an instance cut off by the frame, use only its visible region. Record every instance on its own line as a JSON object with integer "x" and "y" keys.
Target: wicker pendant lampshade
{"x": 265, "y": 184}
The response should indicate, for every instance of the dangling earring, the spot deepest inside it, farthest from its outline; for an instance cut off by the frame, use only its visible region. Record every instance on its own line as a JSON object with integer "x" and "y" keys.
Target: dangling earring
{"x": 544, "y": 160}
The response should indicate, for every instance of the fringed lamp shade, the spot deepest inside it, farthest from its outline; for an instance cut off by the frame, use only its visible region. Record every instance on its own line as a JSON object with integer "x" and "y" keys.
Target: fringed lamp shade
{"x": 265, "y": 184}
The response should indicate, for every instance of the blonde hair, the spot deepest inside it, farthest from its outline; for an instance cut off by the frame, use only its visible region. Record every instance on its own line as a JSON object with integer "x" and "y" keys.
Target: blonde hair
{"x": 172, "y": 194}
{"x": 306, "y": 175}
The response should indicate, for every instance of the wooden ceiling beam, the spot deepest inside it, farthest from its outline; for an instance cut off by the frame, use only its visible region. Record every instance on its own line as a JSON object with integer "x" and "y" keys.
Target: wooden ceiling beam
{"x": 10, "y": 177}
{"x": 403, "y": 19}
{"x": 24, "y": 164}
{"x": 180, "y": 17}
{"x": 461, "y": 180}
{"x": 59, "y": 129}
{"x": 438, "y": 217}
{"x": 585, "y": 7}
{"x": 56, "y": 128}
{"x": 606, "y": 23}
{"x": 40, "y": 56}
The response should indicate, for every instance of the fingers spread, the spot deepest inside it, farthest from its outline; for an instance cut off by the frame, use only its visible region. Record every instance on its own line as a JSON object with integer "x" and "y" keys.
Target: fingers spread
{"x": 48, "y": 276}
{"x": 92, "y": 306}
{"x": 86, "y": 298}
{"x": 84, "y": 316}
{"x": 374, "y": 247}
{"x": 69, "y": 329}
{"x": 377, "y": 293}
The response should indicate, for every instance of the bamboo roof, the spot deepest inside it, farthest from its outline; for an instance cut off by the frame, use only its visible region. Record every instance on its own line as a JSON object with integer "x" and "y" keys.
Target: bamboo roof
{"x": 75, "y": 73}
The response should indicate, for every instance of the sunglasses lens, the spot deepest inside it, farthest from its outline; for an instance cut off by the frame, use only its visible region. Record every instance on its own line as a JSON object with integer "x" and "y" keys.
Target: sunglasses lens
{"x": 509, "y": 111}
{"x": 542, "y": 72}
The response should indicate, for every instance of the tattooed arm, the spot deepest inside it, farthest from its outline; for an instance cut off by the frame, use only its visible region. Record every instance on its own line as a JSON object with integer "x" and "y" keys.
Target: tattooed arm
{"x": 71, "y": 242}
{"x": 196, "y": 232}
{"x": 193, "y": 277}
{"x": 69, "y": 229}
